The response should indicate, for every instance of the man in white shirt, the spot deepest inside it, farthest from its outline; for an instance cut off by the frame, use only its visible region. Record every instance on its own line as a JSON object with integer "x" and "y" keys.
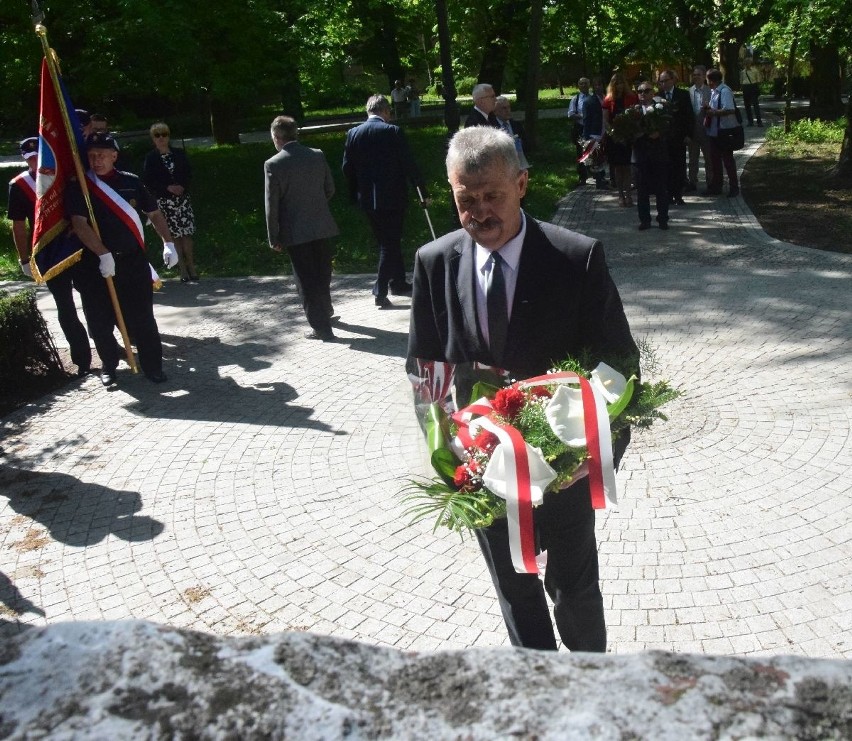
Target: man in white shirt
{"x": 699, "y": 94}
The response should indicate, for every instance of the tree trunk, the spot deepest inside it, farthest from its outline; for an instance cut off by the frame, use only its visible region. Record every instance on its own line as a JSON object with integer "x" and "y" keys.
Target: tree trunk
{"x": 291, "y": 97}
{"x": 452, "y": 118}
{"x": 533, "y": 74}
{"x": 825, "y": 81}
{"x": 223, "y": 122}
{"x": 843, "y": 168}
{"x": 729, "y": 62}
{"x": 791, "y": 62}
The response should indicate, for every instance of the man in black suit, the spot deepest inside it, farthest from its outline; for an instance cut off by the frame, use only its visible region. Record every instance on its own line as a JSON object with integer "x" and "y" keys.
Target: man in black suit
{"x": 679, "y": 134}
{"x": 484, "y": 101}
{"x": 559, "y": 300}
{"x": 378, "y": 166}
{"x": 298, "y": 187}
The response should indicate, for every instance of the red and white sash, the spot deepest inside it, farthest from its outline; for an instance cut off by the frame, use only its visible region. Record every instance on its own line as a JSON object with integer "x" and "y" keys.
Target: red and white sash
{"x": 28, "y": 185}
{"x": 119, "y": 207}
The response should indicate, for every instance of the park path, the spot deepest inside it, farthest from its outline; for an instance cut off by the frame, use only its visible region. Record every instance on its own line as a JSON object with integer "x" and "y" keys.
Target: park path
{"x": 258, "y": 490}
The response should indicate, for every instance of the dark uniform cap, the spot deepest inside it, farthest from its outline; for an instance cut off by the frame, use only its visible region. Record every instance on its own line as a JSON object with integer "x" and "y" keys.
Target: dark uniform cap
{"x": 29, "y": 146}
{"x": 83, "y": 116}
{"x": 101, "y": 140}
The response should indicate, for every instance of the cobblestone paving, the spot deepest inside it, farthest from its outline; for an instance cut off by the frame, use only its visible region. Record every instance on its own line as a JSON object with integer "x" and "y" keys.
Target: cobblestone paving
{"x": 258, "y": 490}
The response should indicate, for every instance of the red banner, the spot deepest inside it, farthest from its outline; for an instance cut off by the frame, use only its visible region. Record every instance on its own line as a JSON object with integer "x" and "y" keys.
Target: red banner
{"x": 55, "y": 168}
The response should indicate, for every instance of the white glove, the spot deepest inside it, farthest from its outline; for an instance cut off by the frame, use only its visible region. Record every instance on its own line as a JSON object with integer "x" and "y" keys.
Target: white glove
{"x": 107, "y": 266}
{"x": 170, "y": 255}
{"x": 26, "y": 269}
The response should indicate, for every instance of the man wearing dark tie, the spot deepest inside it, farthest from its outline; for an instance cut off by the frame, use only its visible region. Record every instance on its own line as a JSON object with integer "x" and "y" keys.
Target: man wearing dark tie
{"x": 682, "y": 124}
{"x": 509, "y": 292}
{"x": 484, "y": 100}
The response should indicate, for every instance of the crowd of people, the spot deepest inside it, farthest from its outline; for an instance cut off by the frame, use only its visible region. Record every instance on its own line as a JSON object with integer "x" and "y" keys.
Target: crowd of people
{"x": 659, "y": 161}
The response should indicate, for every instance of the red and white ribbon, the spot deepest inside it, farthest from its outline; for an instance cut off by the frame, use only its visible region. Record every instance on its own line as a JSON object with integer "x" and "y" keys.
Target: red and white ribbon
{"x": 121, "y": 208}
{"x": 519, "y": 506}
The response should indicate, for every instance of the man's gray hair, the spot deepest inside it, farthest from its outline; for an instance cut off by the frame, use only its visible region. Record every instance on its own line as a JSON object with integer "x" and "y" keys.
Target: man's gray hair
{"x": 377, "y": 104}
{"x": 284, "y": 128}
{"x": 502, "y": 99}
{"x": 481, "y": 90}
{"x": 479, "y": 148}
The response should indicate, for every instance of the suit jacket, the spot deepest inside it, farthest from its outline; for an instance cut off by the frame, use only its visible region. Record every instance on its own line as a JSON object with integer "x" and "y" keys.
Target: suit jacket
{"x": 475, "y": 118}
{"x": 378, "y": 166}
{"x": 683, "y": 118}
{"x": 592, "y": 117}
{"x": 157, "y": 177}
{"x": 297, "y": 186}
{"x": 565, "y": 301}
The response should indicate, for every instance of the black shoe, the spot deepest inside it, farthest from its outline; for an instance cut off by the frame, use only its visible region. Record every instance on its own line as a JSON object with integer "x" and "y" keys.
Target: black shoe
{"x": 157, "y": 377}
{"x": 193, "y": 278}
{"x": 184, "y": 280}
{"x": 678, "y": 201}
{"x": 733, "y": 192}
{"x": 690, "y": 187}
{"x": 324, "y": 336}
{"x": 83, "y": 371}
{"x": 643, "y": 227}
{"x": 664, "y": 225}
{"x": 383, "y": 302}
{"x": 108, "y": 377}
{"x": 403, "y": 289}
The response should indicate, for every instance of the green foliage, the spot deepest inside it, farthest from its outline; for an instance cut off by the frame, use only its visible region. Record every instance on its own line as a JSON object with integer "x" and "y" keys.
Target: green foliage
{"x": 809, "y": 131}
{"x": 28, "y": 358}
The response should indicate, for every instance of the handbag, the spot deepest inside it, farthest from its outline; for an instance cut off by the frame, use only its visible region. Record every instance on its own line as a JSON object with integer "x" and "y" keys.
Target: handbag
{"x": 733, "y": 139}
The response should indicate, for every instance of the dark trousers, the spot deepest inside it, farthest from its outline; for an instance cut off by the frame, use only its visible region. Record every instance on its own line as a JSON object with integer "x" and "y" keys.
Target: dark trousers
{"x": 312, "y": 272}
{"x": 135, "y": 293}
{"x": 565, "y": 527}
{"x": 720, "y": 156}
{"x": 582, "y": 170}
{"x": 62, "y": 289}
{"x": 751, "y": 101}
{"x": 677, "y": 170}
{"x": 652, "y": 178}
{"x": 387, "y": 229}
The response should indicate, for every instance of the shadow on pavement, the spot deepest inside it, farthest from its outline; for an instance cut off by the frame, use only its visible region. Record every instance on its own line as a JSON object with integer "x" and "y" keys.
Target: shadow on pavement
{"x": 73, "y": 512}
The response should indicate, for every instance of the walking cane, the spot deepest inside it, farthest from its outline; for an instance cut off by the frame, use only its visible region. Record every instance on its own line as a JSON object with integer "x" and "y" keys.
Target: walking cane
{"x": 426, "y": 211}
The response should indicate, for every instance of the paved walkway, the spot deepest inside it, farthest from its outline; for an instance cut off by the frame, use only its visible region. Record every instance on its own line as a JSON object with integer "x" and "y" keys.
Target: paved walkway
{"x": 259, "y": 490}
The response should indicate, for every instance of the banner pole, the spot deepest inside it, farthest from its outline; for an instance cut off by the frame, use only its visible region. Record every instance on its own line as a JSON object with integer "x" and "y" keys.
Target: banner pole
{"x": 50, "y": 60}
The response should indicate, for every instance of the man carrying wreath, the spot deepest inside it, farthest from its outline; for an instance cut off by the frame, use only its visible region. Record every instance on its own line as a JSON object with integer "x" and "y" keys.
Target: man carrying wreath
{"x": 515, "y": 294}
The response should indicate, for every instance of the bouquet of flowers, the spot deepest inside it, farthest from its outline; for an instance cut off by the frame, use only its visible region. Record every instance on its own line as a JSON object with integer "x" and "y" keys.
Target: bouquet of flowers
{"x": 634, "y": 122}
{"x": 500, "y": 455}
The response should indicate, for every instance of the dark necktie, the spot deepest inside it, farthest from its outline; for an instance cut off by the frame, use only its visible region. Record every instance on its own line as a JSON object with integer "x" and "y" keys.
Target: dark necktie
{"x": 498, "y": 313}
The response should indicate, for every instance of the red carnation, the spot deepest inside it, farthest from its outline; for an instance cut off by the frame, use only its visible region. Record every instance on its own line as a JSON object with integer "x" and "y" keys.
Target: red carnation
{"x": 486, "y": 441}
{"x": 508, "y": 402}
{"x": 462, "y": 477}
{"x": 541, "y": 392}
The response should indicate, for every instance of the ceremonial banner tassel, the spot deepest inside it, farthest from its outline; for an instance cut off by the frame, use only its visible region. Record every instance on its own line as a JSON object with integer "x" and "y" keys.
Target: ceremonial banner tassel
{"x": 60, "y": 143}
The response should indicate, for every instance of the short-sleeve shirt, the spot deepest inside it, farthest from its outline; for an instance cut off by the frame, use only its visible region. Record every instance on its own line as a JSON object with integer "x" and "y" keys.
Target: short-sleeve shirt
{"x": 115, "y": 234}
{"x": 20, "y": 206}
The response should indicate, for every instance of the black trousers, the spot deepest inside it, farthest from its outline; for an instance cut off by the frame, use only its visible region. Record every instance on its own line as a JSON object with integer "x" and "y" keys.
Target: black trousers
{"x": 135, "y": 293}
{"x": 652, "y": 177}
{"x": 751, "y": 101}
{"x": 677, "y": 170}
{"x": 565, "y": 527}
{"x": 62, "y": 289}
{"x": 387, "y": 229}
{"x": 312, "y": 272}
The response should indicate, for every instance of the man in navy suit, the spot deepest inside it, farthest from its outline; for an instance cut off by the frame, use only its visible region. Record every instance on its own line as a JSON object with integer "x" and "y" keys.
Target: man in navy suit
{"x": 560, "y": 300}
{"x": 378, "y": 166}
{"x": 484, "y": 102}
{"x": 682, "y": 125}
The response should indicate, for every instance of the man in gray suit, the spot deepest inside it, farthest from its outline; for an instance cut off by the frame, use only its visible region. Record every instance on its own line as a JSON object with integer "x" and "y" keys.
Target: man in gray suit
{"x": 298, "y": 186}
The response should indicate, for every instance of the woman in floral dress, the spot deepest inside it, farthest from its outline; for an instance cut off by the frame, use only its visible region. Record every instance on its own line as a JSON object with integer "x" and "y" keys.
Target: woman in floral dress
{"x": 166, "y": 174}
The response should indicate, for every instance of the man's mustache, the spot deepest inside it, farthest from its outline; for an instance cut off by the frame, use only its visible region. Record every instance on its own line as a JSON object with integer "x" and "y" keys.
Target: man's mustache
{"x": 474, "y": 225}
